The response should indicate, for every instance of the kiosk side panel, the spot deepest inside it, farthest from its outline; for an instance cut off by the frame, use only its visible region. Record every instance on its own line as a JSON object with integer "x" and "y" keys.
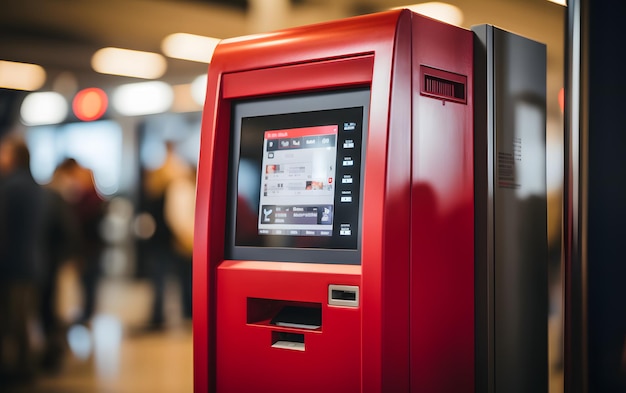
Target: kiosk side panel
{"x": 442, "y": 260}
{"x": 386, "y": 220}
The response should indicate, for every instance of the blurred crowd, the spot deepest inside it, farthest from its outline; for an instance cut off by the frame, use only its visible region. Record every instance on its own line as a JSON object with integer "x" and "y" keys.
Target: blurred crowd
{"x": 45, "y": 227}
{"x": 41, "y": 228}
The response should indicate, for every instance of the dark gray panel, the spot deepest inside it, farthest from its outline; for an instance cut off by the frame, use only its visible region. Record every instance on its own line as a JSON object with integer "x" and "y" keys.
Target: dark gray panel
{"x": 513, "y": 249}
{"x": 483, "y": 215}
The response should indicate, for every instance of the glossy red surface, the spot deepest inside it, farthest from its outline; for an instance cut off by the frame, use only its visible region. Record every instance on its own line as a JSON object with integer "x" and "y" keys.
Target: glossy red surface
{"x": 401, "y": 257}
{"x": 347, "y": 43}
{"x": 246, "y": 360}
{"x": 442, "y": 225}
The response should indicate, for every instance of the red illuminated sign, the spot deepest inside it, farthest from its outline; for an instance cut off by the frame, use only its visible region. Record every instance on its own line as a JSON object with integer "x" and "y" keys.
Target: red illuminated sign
{"x": 90, "y": 104}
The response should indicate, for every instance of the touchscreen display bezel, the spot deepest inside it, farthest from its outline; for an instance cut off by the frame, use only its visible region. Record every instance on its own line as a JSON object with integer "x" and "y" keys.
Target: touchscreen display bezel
{"x": 348, "y": 111}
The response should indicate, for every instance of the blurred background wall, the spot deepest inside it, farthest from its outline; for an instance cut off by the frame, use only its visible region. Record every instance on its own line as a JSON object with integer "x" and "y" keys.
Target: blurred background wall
{"x": 117, "y": 86}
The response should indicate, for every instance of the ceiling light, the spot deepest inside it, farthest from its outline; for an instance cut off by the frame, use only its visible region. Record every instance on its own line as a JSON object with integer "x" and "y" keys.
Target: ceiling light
{"x": 43, "y": 108}
{"x": 559, "y": 2}
{"x": 189, "y": 47}
{"x": 21, "y": 76}
{"x": 126, "y": 62}
{"x": 143, "y": 98}
{"x": 441, "y": 11}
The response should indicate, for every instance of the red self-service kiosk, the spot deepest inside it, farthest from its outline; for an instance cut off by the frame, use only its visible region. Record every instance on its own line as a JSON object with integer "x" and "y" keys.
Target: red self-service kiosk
{"x": 334, "y": 224}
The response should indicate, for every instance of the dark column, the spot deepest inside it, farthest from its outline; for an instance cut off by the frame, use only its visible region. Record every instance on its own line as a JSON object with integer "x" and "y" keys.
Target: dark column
{"x": 595, "y": 200}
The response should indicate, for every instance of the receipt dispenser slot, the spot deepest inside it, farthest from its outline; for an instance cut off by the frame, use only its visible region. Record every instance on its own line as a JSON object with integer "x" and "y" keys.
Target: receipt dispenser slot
{"x": 291, "y": 341}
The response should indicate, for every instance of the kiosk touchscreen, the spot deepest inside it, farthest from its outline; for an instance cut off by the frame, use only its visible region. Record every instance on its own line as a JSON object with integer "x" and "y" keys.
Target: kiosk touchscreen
{"x": 295, "y": 177}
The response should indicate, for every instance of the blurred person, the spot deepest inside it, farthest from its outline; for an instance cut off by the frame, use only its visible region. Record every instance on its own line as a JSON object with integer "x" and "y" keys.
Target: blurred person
{"x": 61, "y": 235}
{"x": 75, "y": 183}
{"x": 180, "y": 201}
{"x": 21, "y": 260}
{"x": 160, "y": 254}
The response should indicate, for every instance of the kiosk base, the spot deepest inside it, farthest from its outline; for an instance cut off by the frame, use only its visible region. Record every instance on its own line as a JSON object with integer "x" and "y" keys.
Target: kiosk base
{"x": 290, "y": 339}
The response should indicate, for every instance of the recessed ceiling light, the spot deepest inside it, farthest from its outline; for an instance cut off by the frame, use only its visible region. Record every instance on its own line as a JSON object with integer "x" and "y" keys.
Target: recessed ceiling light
{"x": 189, "y": 47}
{"x": 144, "y": 98}
{"x": 21, "y": 76}
{"x": 126, "y": 62}
{"x": 43, "y": 108}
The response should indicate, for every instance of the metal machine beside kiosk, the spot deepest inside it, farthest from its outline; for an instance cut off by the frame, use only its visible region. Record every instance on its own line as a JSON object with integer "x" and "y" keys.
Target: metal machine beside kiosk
{"x": 511, "y": 246}
{"x": 334, "y": 235}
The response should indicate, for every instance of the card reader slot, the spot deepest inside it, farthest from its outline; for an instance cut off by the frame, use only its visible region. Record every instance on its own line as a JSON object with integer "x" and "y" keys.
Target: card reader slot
{"x": 343, "y": 295}
{"x": 339, "y": 294}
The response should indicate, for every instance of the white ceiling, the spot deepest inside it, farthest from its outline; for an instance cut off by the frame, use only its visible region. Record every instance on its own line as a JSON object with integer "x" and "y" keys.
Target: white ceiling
{"x": 62, "y": 35}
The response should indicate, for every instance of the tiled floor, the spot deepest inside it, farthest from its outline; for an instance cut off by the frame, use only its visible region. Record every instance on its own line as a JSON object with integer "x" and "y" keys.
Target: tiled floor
{"x": 158, "y": 363}
{"x": 112, "y": 354}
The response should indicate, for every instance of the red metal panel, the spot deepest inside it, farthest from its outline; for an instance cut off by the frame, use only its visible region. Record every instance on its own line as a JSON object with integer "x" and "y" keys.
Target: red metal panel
{"x": 210, "y": 212}
{"x": 396, "y": 303}
{"x": 334, "y": 73}
{"x": 386, "y": 223}
{"x": 442, "y": 260}
{"x": 248, "y": 362}
{"x": 374, "y": 34}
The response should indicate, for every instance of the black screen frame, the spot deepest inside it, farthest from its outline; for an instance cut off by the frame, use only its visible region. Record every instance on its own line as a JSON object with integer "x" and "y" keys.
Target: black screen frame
{"x": 285, "y": 105}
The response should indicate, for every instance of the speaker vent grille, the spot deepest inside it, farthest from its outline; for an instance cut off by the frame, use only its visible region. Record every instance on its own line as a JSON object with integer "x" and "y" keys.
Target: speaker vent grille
{"x": 443, "y": 85}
